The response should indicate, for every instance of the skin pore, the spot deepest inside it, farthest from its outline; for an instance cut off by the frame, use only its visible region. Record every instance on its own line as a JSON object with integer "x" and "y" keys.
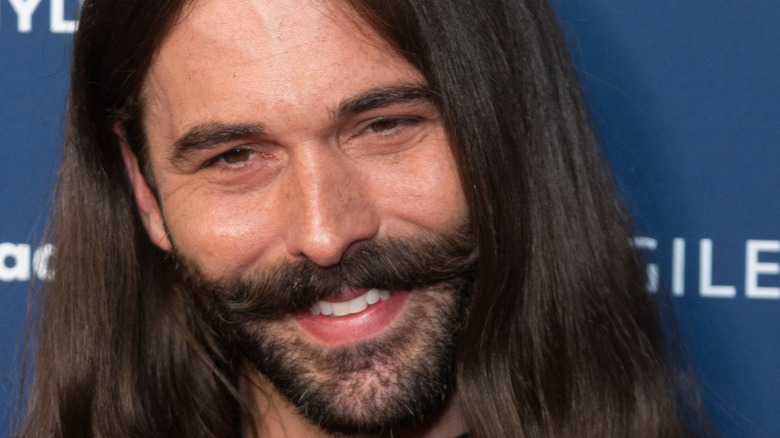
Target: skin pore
{"x": 283, "y": 131}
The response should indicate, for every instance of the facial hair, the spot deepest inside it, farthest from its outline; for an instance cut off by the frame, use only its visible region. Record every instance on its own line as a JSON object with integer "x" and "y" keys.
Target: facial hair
{"x": 386, "y": 382}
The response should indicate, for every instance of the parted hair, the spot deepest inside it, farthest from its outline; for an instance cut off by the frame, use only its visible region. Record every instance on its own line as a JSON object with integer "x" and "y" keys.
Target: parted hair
{"x": 562, "y": 338}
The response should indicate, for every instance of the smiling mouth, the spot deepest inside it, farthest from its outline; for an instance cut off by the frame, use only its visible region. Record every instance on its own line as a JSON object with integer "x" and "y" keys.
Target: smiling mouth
{"x": 350, "y": 307}
{"x": 352, "y": 316}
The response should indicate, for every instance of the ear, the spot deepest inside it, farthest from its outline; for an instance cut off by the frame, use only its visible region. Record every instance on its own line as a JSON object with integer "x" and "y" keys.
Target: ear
{"x": 147, "y": 204}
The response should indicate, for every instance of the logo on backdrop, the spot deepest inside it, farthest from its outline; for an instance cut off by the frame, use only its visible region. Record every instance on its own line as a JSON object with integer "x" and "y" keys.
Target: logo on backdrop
{"x": 19, "y": 262}
{"x": 760, "y": 271}
{"x": 23, "y": 11}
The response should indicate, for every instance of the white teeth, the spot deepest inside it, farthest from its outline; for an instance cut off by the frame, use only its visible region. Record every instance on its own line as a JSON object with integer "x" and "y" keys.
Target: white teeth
{"x": 372, "y": 296}
{"x": 355, "y": 305}
{"x": 340, "y": 309}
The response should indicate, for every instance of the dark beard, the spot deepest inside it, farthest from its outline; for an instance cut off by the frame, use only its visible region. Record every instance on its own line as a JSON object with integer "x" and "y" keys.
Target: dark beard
{"x": 389, "y": 381}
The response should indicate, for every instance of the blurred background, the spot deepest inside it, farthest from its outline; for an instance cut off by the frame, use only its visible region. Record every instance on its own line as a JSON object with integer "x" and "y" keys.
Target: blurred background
{"x": 686, "y": 98}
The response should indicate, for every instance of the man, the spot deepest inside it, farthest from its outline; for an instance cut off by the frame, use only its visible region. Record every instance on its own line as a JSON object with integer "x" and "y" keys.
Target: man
{"x": 325, "y": 218}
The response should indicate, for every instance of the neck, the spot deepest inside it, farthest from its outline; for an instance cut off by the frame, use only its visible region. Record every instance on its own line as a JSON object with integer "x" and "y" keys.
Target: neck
{"x": 276, "y": 417}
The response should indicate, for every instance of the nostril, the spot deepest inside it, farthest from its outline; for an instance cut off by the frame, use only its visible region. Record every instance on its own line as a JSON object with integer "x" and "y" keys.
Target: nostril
{"x": 327, "y": 243}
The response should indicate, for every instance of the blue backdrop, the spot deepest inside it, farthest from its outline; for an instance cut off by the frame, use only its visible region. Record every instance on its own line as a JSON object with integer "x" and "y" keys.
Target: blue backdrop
{"x": 686, "y": 97}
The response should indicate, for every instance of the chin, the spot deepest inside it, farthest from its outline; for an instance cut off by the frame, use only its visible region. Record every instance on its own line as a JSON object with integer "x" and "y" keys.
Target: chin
{"x": 390, "y": 380}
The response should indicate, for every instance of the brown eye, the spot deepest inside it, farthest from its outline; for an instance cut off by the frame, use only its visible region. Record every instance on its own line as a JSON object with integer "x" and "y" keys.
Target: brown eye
{"x": 236, "y": 156}
{"x": 383, "y": 125}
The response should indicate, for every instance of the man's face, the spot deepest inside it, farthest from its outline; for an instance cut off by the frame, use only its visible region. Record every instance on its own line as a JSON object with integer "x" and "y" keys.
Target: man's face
{"x": 291, "y": 149}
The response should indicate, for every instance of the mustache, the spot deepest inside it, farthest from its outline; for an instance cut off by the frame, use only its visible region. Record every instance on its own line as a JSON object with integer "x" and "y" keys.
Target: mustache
{"x": 391, "y": 263}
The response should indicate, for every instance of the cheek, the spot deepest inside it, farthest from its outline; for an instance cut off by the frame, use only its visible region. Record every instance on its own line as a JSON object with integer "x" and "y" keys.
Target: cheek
{"x": 426, "y": 192}
{"x": 224, "y": 234}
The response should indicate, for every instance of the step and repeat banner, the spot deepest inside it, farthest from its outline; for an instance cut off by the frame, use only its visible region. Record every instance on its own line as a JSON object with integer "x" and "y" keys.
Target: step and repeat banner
{"x": 686, "y": 97}
{"x": 35, "y": 40}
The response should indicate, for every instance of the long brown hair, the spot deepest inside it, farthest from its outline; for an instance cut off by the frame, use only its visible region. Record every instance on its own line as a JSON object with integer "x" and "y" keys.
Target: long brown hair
{"x": 562, "y": 338}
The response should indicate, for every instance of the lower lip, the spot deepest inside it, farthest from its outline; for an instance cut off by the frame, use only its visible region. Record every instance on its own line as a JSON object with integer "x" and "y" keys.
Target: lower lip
{"x": 353, "y": 328}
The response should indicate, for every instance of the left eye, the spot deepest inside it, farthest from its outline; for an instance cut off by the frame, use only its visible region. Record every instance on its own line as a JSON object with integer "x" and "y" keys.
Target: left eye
{"x": 383, "y": 125}
{"x": 236, "y": 156}
{"x": 391, "y": 124}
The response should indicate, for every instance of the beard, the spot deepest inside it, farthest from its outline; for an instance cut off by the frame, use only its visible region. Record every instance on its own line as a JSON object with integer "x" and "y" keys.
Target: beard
{"x": 388, "y": 381}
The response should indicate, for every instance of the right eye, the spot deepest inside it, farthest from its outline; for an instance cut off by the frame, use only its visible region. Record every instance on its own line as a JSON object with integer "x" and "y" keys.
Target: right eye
{"x": 236, "y": 156}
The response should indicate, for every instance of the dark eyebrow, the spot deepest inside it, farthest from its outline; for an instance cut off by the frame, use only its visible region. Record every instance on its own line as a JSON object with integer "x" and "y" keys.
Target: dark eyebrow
{"x": 385, "y": 96}
{"x": 207, "y": 135}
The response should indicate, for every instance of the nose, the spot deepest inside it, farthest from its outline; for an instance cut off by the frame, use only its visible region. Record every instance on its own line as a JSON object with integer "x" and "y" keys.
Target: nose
{"x": 329, "y": 205}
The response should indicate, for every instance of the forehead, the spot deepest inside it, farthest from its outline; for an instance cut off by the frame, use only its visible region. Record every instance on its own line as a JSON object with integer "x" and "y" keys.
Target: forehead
{"x": 245, "y": 59}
